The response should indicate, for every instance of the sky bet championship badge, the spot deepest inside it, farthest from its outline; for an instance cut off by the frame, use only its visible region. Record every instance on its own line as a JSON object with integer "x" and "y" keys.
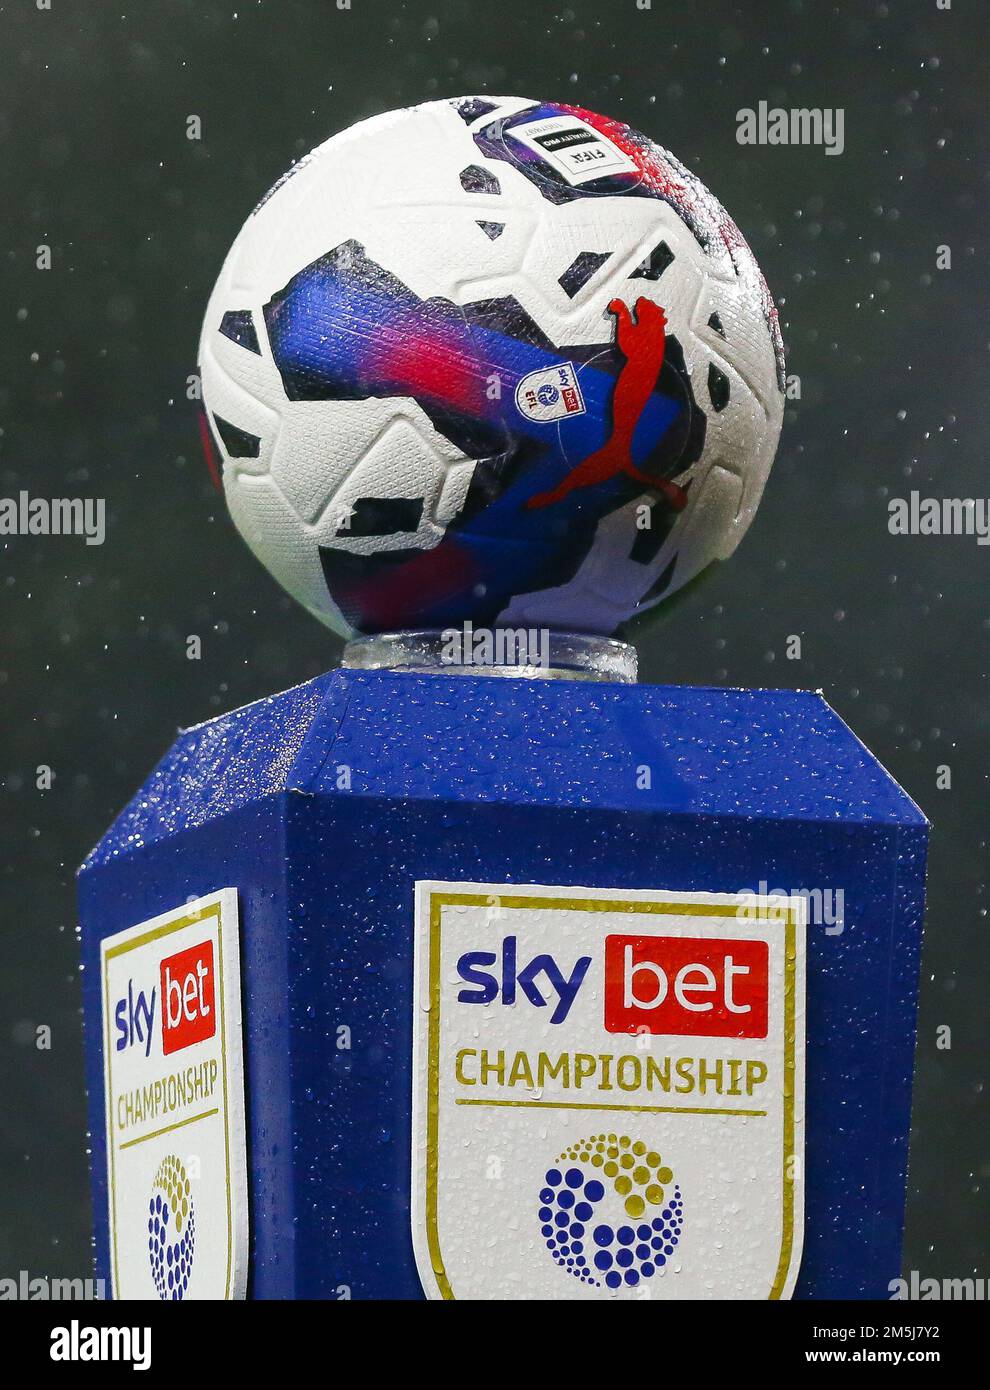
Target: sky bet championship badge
{"x": 610, "y": 1093}
{"x": 175, "y": 1105}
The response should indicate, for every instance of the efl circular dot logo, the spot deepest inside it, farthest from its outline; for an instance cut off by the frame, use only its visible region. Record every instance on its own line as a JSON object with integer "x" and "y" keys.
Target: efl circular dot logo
{"x": 171, "y": 1229}
{"x": 610, "y": 1211}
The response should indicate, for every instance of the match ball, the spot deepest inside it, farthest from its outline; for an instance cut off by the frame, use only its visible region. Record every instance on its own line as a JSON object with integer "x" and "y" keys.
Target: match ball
{"x": 491, "y": 360}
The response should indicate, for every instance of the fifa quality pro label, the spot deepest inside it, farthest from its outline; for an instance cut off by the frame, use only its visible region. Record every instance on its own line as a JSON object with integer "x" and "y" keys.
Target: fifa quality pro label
{"x": 173, "y": 1072}
{"x": 574, "y": 148}
{"x": 609, "y": 1093}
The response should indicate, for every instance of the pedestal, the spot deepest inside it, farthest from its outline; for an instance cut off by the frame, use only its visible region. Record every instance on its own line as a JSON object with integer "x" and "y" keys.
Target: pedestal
{"x": 324, "y": 807}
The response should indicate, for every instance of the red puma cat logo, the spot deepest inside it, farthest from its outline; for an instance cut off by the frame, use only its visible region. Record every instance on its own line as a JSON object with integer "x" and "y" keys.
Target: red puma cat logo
{"x": 642, "y": 342}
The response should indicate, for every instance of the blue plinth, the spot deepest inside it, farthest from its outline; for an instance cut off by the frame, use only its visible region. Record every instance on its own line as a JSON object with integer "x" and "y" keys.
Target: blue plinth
{"x": 325, "y": 804}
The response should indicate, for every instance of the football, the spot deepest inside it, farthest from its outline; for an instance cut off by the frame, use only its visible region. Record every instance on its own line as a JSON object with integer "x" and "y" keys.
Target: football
{"x": 490, "y": 360}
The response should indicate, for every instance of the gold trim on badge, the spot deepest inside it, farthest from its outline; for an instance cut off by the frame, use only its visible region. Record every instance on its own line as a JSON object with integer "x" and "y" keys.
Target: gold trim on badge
{"x": 166, "y": 929}
{"x": 438, "y": 901}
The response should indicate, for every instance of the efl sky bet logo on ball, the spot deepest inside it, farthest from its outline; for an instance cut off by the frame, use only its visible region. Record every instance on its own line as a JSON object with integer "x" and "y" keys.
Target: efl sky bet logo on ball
{"x": 173, "y": 1075}
{"x": 550, "y": 394}
{"x": 619, "y": 1077}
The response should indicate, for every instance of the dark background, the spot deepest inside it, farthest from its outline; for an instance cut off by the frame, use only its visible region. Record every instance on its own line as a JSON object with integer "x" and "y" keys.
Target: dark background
{"x": 94, "y": 355}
